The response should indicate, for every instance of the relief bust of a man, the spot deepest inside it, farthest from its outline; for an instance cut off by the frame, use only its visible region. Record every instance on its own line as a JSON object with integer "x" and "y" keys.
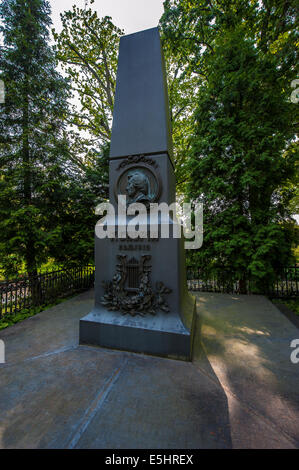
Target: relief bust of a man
{"x": 138, "y": 188}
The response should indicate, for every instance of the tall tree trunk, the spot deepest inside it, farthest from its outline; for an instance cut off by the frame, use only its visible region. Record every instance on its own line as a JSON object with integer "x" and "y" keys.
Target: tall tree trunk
{"x": 30, "y": 257}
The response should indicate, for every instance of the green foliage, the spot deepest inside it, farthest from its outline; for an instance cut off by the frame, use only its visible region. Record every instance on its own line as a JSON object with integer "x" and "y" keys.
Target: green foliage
{"x": 49, "y": 183}
{"x": 181, "y": 88}
{"x": 9, "y": 320}
{"x": 230, "y": 67}
{"x": 34, "y": 150}
{"x": 242, "y": 148}
{"x": 292, "y": 304}
{"x": 76, "y": 216}
{"x": 87, "y": 49}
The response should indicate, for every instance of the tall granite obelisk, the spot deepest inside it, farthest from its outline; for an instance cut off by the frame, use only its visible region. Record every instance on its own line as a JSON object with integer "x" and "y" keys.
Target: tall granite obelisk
{"x": 141, "y": 298}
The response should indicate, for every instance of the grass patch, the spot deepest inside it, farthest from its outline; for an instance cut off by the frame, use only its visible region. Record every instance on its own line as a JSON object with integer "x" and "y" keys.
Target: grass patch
{"x": 9, "y": 320}
{"x": 292, "y": 304}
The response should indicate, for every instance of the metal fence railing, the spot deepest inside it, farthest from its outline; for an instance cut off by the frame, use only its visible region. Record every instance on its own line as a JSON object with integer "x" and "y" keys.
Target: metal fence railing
{"x": 286, "y": 283}
{"x": 43, "y": 289}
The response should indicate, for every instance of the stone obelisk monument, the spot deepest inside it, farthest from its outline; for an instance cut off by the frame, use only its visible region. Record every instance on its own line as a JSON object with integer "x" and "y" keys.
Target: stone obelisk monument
{"x": 141, "y": 298}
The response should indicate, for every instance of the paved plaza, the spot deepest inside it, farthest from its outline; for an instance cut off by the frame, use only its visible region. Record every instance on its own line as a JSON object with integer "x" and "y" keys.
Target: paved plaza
{"x": 240, "y": 391}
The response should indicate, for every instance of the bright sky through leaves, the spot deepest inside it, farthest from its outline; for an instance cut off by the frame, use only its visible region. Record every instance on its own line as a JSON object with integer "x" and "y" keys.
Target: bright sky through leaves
{"x": 130, "y": 15}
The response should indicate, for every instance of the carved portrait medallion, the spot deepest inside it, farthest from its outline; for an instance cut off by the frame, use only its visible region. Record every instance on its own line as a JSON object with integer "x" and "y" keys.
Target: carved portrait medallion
{"x": 139, "y": 184}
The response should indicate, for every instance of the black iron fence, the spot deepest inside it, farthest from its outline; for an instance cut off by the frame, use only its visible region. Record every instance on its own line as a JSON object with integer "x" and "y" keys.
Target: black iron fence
{"x": 43, "y": 289}
{"x": 286, "y": 283}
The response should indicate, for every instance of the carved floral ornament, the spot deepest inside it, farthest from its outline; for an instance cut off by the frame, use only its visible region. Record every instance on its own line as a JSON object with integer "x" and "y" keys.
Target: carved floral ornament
{"x": 133, "y": 159}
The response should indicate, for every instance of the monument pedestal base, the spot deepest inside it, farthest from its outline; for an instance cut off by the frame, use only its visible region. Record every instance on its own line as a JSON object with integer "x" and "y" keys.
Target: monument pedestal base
{"x": 162, "y": 335}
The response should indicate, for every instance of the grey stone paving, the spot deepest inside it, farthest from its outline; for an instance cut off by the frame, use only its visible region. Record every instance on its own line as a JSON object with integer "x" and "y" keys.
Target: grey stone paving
{"x": 240, "y": 391}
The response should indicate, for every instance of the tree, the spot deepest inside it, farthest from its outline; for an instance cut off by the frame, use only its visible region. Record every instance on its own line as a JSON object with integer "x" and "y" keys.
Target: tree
{"x": 87, "y": 49}
{"x": 242, "y": 148}
{"x": 34, "y": 146}
{"x": 182, "y": 87}
{"x": 76, "y": 216}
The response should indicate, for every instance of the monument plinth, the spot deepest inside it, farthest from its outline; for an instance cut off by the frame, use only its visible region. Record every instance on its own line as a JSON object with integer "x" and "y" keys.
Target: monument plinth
{"x": 141, "y": 298}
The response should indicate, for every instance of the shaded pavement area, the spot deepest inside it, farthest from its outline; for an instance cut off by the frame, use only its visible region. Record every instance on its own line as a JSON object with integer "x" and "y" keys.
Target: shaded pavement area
{"x": 240, "y": 391}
